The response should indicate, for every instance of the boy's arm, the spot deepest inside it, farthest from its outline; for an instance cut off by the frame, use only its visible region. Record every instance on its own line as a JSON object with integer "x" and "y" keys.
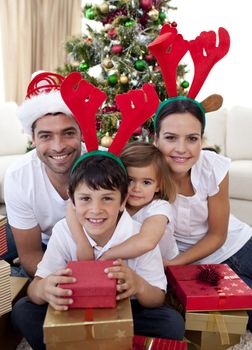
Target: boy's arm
{"x": 150, "y": 234}
{"x": 46, "y": 290}
{"x": 84, "y": 249}
{"x": 129, "y": 283}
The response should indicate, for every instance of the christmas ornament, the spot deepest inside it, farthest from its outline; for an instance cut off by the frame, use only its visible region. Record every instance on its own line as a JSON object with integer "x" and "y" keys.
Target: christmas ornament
{"x": 90, "y": 13}
{"x": 87, "y": 40}
{"x": 117, "y": 49}
{"x": 162, "y": 15}
{"x": 138, "y": 131}
{"x": 146, "y": 4}
{"x": 129, "y": 23}
{"x": 104, "y": 8}
{"x": 123, "y": 79}
{"x": 184, "y": 84}
{"x": 112, "y": 33}
{"x": 107, "y": 63}
{"x": 140, "y": 65}
{"x": 106, "y": 140}
{"x": 149, "y": 57}
{"x": 84, "y": 66}
{"x": 112, "y": 79}
{"x": 174, "y": 24}
{"x": 153, "y": 14}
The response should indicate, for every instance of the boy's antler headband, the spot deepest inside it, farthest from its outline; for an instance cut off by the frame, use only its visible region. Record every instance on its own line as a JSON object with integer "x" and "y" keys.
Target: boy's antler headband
{"x": 84, "y": 100}
{"x": 169, "y": 48}
{"x": 43, "y": 97}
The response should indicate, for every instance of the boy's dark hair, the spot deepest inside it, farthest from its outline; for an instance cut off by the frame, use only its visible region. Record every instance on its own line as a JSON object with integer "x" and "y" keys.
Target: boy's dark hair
{"x": 99, "y": 172}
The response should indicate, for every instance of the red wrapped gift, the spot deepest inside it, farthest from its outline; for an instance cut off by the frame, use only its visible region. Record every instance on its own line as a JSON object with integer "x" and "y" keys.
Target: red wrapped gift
{"x": 146, "y": 343}
{"x": 229, "y": 293}
{"x": 93, "y": 289}
{"x": 3, "y": 237}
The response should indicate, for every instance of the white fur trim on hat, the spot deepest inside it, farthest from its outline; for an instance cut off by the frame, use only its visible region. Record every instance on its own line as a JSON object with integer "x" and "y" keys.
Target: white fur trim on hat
{"x": 37, "y": 106}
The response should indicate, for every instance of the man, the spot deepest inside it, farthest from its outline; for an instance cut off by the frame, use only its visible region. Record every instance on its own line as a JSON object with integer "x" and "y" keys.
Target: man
{"x": 35, "y": 186}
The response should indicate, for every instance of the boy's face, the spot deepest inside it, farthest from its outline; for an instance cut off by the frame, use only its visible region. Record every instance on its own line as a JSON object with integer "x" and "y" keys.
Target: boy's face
{"x": 97, "y": 211}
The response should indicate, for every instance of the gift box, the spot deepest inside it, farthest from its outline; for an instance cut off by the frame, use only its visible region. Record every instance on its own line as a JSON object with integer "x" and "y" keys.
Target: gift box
{"x": 147, "y": 343}
{"x": 93, "y": 288}
{"x": 230, "y": 293}
{"x": 215, "y": 330}
{"x": 3, "y": 237}
{"x": 90, "y": 329}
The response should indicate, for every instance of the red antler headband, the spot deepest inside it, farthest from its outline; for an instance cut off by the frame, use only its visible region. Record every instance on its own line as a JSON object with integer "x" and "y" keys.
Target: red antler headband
{"x": 43, "y": 97}
{"x": 169, "y": 48}
{"x": 84, "y": 100}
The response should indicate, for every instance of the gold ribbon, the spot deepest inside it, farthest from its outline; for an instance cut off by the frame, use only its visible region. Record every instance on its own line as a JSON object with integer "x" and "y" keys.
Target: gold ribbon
{"x": 218, "y": 319}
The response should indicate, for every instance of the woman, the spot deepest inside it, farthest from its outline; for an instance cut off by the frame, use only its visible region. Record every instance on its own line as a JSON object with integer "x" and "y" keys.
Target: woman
{"x": 205, "y": 230}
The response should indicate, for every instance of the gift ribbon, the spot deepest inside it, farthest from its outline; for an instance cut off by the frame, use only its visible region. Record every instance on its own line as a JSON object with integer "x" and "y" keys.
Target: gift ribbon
{"x": 222, "y": 296}
{"x": 89, "y": 316}
{"x": 218, "y": 319}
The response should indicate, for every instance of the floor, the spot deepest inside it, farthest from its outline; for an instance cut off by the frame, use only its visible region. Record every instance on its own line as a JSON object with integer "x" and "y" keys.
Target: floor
{"x": 245, "y": 344}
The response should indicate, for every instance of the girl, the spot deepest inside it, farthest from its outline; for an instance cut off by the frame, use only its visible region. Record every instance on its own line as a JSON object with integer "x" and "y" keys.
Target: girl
{"x": 204, "y": 229}
{"x": 150, "y": 188}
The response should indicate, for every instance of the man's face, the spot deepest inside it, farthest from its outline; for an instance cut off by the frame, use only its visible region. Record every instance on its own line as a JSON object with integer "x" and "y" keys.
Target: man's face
{"x": 57, "y": 139}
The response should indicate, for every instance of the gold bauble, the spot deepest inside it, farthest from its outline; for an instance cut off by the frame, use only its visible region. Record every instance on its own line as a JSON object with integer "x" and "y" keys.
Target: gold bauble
{"x": 104, "y": 8}
{"x": 107, "y": 63}
{"x": 106, "y": 140}
{"x": 153, "y": 14}
{"x": 124, "y": 79}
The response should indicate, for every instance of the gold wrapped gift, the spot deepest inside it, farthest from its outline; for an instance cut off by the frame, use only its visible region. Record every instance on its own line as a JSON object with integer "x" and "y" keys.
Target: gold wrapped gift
{"x": 215, "y": 330}
{"x": 92, "y": 329}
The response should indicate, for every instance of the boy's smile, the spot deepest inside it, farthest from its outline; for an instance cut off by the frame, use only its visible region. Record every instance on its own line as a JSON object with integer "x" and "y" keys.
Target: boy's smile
{"x": 98, "y": 211}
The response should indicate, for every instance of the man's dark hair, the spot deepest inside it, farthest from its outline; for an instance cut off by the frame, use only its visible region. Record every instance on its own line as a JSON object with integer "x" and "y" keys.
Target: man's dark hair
{"x": 99, "y": 172}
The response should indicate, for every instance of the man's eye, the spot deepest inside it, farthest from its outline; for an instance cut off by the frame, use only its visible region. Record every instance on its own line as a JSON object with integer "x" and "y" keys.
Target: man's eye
{"x": 44, "y": 136}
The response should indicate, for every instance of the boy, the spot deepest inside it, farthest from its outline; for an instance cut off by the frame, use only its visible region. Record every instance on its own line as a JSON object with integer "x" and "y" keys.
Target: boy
{"x": 98, "y": 189}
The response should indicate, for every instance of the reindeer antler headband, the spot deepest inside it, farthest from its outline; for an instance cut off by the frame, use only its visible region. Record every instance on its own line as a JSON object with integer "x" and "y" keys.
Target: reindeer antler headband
{"x": 84, "y": 100}
{"x": 169, "y": 48}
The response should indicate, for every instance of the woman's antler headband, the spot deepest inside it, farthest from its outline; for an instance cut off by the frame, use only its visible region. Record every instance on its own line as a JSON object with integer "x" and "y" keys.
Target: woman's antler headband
{"x": 84, "y": 100}
{"x": 169, "y": 48}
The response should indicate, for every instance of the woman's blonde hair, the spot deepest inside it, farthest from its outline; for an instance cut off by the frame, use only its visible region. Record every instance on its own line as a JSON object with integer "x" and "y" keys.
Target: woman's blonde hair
{"x": 140, "y": 154}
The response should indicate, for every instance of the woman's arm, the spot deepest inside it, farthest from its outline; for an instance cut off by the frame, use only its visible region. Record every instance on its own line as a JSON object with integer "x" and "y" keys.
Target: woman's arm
{"x": 218, "y": 218}
{"x": 84, "y": 249}
{"x": 150, "y": 234}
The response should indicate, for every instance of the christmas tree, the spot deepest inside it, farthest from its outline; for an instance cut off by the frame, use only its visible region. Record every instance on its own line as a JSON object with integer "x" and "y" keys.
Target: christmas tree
{"x": 115, "y": 57}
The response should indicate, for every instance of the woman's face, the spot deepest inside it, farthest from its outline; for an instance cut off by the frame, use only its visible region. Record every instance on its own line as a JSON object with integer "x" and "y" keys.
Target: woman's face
{"x": 180, "y": 141}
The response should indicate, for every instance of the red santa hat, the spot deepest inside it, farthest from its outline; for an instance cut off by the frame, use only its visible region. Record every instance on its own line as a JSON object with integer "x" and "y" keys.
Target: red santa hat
{"x": 43, "y": 97}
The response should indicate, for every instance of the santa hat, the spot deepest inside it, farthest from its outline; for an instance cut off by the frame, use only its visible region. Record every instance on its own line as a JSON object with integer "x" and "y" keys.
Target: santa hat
{"x": 43, "y": 97}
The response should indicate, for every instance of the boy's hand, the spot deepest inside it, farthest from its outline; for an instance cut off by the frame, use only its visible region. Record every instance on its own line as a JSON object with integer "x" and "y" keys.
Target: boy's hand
{"x": 54, "y": 295}
{"x": 128, "y": 282}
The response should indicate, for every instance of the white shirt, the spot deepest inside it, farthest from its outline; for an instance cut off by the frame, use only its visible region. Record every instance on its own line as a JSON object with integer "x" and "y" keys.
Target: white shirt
{"x": 30, "y": 197}
{"x": 191, "y": 213}
{"x": 61, "y": 249}
{"x": 167, "y": 244}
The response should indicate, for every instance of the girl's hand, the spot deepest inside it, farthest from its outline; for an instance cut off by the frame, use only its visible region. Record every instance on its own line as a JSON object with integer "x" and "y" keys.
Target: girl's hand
{"x": 57, "y": 297}
{"x": 127, "y": 279}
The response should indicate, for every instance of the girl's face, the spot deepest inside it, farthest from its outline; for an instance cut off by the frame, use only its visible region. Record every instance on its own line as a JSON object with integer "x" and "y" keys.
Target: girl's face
{"x": 180, "y": 141}
{"x": 142, "y": 187}
{"x": 97, "y": 211}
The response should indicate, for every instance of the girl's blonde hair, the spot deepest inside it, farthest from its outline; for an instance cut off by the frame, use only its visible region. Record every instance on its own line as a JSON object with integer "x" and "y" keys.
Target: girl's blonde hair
{"x": 140, "y": 154}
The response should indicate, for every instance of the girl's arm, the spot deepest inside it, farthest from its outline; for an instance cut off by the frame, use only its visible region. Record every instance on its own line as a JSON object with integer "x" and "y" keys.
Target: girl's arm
{"x": 84, "y": 249}
{"x": 150, "y": 234}
{"x": 218, "y": 217}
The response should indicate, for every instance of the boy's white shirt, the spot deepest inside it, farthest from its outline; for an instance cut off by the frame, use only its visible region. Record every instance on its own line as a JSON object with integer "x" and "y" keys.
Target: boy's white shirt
{"x": 62, "y": 248}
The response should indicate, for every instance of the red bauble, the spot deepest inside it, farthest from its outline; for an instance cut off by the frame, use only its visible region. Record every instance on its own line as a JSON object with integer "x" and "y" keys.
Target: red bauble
{"x": 117, "y": 49}
{"x": 138, "y": 131}
{"x": 149, "y": 57}
{"x": 174, "y": 24}
{"x": 112, "y": 33}
{"x": 156, "y": 68}
{"x": 146, "y": 4}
